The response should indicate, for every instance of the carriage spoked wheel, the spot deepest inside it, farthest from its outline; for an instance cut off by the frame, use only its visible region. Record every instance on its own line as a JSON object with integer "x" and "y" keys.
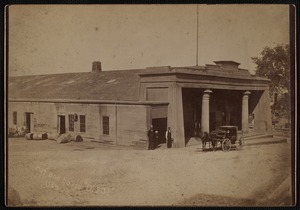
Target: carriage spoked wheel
{"x": 226, "y": 145}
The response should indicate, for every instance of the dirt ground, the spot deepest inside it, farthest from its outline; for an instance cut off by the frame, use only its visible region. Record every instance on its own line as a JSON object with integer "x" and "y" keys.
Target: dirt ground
{"x": 45, "y": 173}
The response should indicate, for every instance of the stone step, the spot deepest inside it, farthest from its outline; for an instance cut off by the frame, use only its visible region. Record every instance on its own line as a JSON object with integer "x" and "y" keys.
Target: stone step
{"x": 261, "y": 141}
{"x": 282, "y": 133}
{"x": 250, "y": 134}
{"x": 260, "y": 136}
{"x": 251, "y": 142}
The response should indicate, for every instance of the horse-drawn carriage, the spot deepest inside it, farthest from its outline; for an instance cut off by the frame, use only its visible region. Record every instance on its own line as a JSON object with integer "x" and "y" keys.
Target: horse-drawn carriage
{"x": 225, "y": 137}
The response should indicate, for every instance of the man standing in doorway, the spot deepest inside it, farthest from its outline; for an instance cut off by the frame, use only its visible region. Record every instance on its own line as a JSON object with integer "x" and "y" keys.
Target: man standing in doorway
{"x": 169, "y": 138}
{"x": 151, "y": 137}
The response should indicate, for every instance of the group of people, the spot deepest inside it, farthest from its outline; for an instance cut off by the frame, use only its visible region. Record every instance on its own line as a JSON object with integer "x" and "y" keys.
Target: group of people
{"x": 153, "y": 138}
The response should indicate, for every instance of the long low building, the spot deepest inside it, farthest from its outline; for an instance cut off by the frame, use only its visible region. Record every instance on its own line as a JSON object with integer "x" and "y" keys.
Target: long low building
{"x": 119, "y": 106}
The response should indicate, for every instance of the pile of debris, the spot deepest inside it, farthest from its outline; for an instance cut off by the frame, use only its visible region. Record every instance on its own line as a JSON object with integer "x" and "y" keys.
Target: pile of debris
{"x": 59, "y": 138}
{"x": 17, "y": 131}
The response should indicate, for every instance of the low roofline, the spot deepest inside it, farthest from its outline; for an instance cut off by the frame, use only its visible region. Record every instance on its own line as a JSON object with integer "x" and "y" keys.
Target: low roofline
{"x": 91, "y": 101}
{"x": 251, "y": 77}
{"x": 227, "y": 61}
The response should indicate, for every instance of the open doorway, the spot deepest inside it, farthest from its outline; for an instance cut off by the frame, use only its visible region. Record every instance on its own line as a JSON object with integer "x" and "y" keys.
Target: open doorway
{"x": 225, "y": 108}
{"x": 28, "y": 122}
{"x": 192, "y": 105}
{"x": 61, "y": 124}
{"x": 160, "y": 125}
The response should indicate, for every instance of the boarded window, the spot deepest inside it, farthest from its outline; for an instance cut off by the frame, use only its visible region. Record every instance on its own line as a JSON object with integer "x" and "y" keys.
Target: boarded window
{"x": 82, "y": 123}
{"x": 15, "y": 118}
{"x": 71, "y": 122}
{"x": 106, "y": 125}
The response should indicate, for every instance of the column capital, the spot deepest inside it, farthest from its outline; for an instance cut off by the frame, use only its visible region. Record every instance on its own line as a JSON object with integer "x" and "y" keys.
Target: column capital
{"x": 247, "y": 93}
{"x": 207, "y": 91}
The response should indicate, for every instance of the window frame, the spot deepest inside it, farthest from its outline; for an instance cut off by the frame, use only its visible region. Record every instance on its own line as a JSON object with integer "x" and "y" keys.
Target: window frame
{"x": 82, "y": 125}
{"x": 105, "y": 125}
{"x": 15, "y": 117}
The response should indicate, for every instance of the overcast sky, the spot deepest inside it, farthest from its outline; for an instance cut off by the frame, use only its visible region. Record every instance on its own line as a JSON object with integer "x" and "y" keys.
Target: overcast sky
{"x": 46, "y": 39}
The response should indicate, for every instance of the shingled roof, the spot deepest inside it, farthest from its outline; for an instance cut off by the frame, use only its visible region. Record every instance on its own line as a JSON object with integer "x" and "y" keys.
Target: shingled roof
{"x": 105, "y": 85}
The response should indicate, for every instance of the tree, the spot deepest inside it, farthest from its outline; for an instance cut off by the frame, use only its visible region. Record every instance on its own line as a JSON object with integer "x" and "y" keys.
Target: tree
{"x": 274, "y": 63}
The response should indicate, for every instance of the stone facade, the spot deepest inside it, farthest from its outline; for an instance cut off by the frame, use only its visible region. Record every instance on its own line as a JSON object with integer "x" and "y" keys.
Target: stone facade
{"x": 127, "y": 122}
{"x": 208, "y": 96}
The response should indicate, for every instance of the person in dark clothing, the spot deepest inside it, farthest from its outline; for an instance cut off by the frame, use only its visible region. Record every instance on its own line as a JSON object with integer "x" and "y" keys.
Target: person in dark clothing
{"x": 151, "y": 137}
{"x": 169, "y": 138}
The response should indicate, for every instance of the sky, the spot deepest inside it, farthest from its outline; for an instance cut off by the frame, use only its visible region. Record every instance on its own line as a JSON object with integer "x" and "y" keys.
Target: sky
{"x": 47, "y": 39}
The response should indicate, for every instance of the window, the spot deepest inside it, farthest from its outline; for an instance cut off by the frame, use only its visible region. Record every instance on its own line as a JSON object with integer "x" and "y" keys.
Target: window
{"x": 105, "y": 125}
{"x": 82, "y": 123}
{"x": 15, "y": 118}
{"x": 71, "y": 122}
{"x": 275, "y": 97}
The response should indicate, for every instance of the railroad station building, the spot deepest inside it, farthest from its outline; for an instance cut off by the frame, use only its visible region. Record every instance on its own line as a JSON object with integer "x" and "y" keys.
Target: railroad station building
{"x": 119, "y": 106}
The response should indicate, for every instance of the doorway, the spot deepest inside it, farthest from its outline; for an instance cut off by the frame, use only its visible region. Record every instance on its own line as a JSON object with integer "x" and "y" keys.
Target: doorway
{"x": 160, "y": 125}
{"x": 192, "y": 107}
{"x": 28, "y": 122}
{"x": 61, "y": 124}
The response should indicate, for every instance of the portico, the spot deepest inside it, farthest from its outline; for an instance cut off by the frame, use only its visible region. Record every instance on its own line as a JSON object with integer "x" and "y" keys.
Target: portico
{"x": 211, "y": 96}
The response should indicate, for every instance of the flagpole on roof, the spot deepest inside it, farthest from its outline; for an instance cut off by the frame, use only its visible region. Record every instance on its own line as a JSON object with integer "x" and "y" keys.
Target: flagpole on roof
{"x": 197, "y": 35}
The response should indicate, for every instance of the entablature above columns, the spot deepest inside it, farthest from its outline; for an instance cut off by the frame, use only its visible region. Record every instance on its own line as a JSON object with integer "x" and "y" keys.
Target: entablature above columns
{"x": 245, "y": 87}
{"x": 205, "y": 81}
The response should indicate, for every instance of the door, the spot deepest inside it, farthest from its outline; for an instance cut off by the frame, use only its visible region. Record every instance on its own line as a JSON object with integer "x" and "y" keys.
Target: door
{"x": 28, "y": 122}
{"x": 61, "y": 124}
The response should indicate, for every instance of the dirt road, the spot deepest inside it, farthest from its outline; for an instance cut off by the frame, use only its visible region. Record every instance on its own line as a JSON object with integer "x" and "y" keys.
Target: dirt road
{"x": 44, "y": 173}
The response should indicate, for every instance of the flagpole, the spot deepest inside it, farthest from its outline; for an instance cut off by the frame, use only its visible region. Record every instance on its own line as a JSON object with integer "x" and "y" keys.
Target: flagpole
{"x": 197, "y": 36}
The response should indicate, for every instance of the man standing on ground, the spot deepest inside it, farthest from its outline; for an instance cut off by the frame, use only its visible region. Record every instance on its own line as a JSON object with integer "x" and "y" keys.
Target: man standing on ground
{"x": 151, "y": 137}
{"x": 169, "y": 138}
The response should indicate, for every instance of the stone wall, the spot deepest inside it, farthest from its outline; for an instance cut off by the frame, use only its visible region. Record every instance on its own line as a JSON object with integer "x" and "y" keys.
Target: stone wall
{"x": 127, "y": 123}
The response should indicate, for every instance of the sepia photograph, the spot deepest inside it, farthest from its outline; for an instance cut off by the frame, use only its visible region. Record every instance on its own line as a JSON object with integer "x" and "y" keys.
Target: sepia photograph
{"x": 149, "y": 105}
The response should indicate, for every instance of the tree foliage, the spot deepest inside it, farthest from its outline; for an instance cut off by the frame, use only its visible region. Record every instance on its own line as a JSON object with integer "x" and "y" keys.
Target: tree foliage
{"x": 274, "y": 63}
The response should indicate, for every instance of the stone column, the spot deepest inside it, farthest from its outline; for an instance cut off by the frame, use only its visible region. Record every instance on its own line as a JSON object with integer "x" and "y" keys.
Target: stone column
{"x": 175, "y": 115}
{"x": 205, "y": 111}
{"x": 245, "y": 112}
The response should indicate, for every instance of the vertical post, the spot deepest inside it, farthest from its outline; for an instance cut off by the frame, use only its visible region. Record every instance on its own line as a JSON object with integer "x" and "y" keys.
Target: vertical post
{"x": 197, "y": 35}
{"x": 116, "y": 125}
{"x": 180, "y": 136}
{"x": 245, "y": 112}
{"x": 205, "y": 111}
{"x": 175, "y": 115}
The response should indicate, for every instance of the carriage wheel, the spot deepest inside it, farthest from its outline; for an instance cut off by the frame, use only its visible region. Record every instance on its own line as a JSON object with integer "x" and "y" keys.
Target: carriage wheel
{"x": 226, "y": 145}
